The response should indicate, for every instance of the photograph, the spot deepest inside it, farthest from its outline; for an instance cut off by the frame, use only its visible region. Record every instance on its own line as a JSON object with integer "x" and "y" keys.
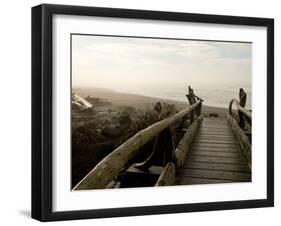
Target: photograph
{"x": 146, "y": 112}
{"x": 154, "y": 111}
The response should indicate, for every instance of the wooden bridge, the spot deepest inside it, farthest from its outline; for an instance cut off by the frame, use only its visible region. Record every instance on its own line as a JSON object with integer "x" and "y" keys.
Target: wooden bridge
{"x": 183, "y": 148}
{"x": 214, "y": 156}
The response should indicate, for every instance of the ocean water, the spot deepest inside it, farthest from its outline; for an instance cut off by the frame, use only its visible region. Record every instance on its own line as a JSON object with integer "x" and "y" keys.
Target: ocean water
{"x": 213, "y": 95}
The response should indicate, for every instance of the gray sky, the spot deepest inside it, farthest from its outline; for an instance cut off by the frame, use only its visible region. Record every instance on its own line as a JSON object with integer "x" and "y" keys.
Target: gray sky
{"x": 125, "y": 64}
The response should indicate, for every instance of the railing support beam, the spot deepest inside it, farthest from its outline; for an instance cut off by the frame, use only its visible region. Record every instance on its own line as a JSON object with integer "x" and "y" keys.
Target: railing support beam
{"x": 168, "y": 175}
{"x": 183, "y": 147}
{"x": 242, "y": 138}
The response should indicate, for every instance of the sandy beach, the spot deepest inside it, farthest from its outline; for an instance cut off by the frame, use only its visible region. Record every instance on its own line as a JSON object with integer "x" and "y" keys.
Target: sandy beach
{"x": 141, "y": 102}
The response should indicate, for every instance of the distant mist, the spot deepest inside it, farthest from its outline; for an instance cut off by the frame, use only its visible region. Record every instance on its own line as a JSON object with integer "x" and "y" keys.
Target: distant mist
{"x": 162, "y": 68}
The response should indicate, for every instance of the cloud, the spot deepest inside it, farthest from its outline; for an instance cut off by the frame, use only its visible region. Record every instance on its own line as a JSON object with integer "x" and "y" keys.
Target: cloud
{"x": 116, "y": 61}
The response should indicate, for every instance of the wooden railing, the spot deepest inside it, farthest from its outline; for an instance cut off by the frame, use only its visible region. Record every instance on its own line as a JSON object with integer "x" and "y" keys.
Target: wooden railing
{"x": 245, "y": 113}
{"x": 118, "y": 160}
{"x": 241, "y": 124}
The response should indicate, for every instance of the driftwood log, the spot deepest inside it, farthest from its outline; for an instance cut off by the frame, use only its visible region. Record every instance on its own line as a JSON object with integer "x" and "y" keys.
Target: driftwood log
{"x": 117, "y": 161}
{"x": 242, "y": 112}
{"x": 240, "y": 108}
{"x": 168, "y": 175}
{"x": 243, "y": 140}
{"x": 183, "y": 147}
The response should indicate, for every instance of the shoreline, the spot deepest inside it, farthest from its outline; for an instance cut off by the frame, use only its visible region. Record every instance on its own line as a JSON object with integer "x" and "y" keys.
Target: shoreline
{"x": 117, "y": 99}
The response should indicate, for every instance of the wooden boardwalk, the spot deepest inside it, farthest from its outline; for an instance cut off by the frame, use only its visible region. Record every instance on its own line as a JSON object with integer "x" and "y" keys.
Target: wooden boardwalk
{"x": 208, "y": 152}
{"x": 214, "y": 156}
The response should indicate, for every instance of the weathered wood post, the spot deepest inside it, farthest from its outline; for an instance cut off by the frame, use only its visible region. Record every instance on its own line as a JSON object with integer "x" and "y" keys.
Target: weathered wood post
{"x": 191, "y": 98}
{"x": 242, "y": 103}
{"x": 200, "y": 108}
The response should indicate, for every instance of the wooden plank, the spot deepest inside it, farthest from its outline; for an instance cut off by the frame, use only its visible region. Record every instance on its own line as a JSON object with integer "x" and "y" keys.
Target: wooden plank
{"x": 238, "y": 157}
{"x": 218, "y": 134}
{"x": 232, "y": 150}
{"x": 211, "y": 130}
{"x": 214, "y": 141}
{"x": 214, "y": 136}
{"x": 200, "y": 138}
{"x": 214, "y": 119}
{"x": 218, "y": 129}
{"x": 217, "y": 153}
{"x": 194, "y": 180}
{"x": 221, "y": 120}
{"x": 216, "y": 166}
{"x": 215, "y": 126}
{"x": 216, "y": 159}
{"x": 216, "y": 123}
{"x": 215, "y": 133}
{"x": 224, "y": 139}
{"x": 215, "y": 174}
{"x": 204, "y": 144}
{"x": 226, "y": 133}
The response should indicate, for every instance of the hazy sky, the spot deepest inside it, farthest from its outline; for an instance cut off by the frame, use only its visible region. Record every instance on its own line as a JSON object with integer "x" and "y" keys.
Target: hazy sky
{"x": 125, "y": 64}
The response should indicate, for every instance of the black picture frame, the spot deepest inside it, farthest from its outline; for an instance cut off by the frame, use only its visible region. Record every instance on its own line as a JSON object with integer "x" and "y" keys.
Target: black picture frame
{"x": 42, "y": 107}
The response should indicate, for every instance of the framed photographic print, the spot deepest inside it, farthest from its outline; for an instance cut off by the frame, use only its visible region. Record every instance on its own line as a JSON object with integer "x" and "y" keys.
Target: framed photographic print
{"x": 145, "y": 112}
